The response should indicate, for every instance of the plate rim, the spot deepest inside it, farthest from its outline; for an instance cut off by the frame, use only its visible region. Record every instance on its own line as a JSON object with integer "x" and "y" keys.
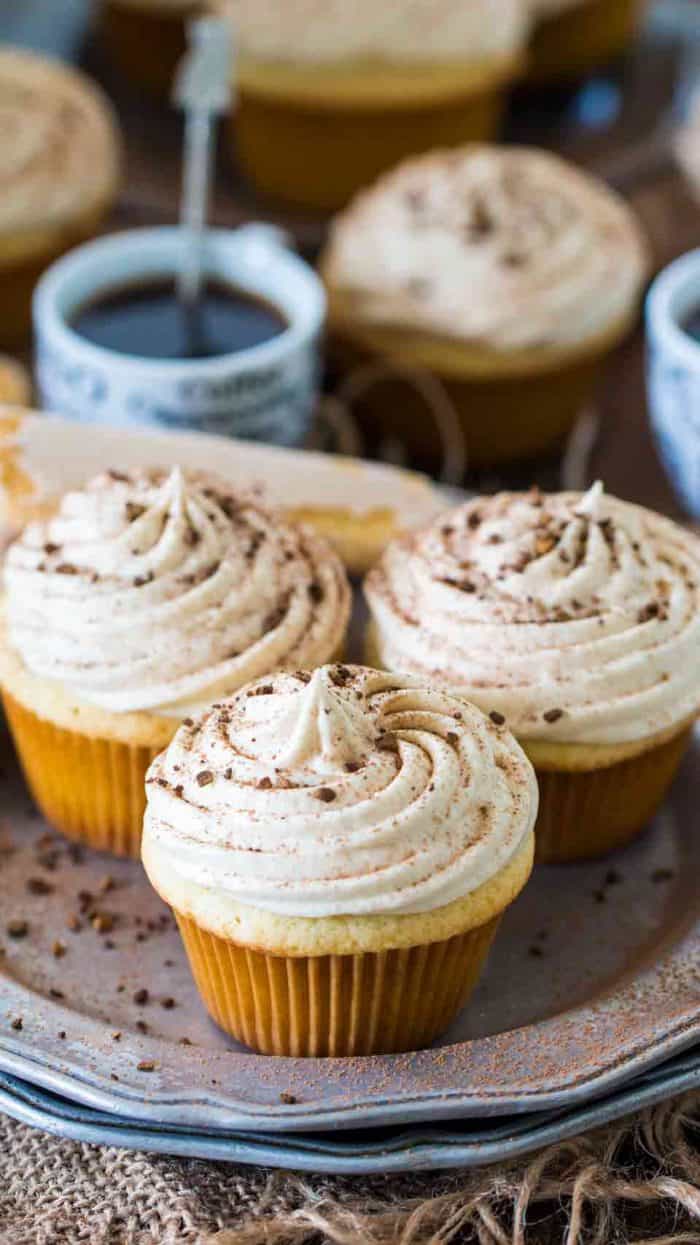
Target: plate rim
{"x": 593, "y": 1048}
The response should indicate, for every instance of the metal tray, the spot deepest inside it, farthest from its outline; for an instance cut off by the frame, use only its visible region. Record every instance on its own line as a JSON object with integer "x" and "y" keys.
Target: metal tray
{"x": 471, "y": 1144}
{"x": 594, "y": 978}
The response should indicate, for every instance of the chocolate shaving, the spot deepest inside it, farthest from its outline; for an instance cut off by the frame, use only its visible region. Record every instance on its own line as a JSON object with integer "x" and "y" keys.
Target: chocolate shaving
{"x": 325, "y": 794}
{"x": 38, "y": 886}
{"x": 497, "y": 718}
{"x": 553, "y": 715}
{"x": 204, "y": 778}
{"x": 648, "y": 612}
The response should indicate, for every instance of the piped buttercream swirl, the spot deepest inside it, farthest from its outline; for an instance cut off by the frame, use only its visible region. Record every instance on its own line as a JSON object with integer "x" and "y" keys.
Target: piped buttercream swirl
{"x": 59, "y": 153}
{"x": 359, "y": 30}
{"x": 576, "y": 618}
{"x": 501, "y": 247}
{"x": 345, "y": 792}
{"x": 161, "y": 591}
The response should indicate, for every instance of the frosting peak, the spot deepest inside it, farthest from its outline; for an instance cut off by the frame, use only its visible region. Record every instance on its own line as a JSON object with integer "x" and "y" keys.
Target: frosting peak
{"x": 163, "y": 590}
{"x": 402, "y": 800}
{"x": 323, "y": 729}
{"x": 576, "y": 617}
{"x": 502, "y": 247}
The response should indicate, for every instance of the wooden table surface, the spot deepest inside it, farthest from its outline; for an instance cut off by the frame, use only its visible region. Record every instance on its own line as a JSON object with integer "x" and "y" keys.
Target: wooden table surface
{"x": 619, "y": 127}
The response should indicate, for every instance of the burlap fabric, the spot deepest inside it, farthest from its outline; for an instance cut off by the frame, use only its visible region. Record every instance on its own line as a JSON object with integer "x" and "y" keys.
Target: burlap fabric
{"x": 636, "y": 1181}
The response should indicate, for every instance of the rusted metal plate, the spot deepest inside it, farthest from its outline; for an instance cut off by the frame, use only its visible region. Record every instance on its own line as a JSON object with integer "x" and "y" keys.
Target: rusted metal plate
{"x": 595, "y": 976}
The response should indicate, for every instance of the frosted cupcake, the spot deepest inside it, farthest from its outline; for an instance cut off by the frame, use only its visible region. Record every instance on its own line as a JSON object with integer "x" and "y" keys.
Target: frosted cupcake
{"x": 145, "y": 597}
{"x": 147, "y": 38}
{"x": 59, "y": 170}
{"x": 505, "y": 272}
{"x": 574, "y": 620}
{"x": 331, "y": 94}
{"x": 338, "y": 849}
{"x": 572, "y": 38}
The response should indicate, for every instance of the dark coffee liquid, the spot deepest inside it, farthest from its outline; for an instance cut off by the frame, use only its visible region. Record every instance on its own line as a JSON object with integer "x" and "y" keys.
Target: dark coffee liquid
{"x": 692, "y": 325}
{"x": 146, "y": 318}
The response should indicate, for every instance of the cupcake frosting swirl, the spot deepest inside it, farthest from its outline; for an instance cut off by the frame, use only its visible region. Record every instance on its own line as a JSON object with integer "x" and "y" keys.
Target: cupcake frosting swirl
{"x": 575, "y": 618}
{"x": 500, "y": 247}
{"x": 549, "y": 8}
{"x": 160, "y": 591}
{"x": 59, "y": 150}
{"x": 345, "y": 792}
{"x": 355, "y": 30}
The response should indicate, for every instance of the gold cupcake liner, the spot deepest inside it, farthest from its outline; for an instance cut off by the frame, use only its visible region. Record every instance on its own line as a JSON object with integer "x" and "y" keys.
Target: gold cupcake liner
{"x": 90, "y": 789}
{"x": 147, "y": 44}
{"x": 316, "y": 157}
{"x": 503, "y": 418}
{"x": 572, "y": 43}
{"x": 589, "y": 813}
{"x": 364, "y": 1004}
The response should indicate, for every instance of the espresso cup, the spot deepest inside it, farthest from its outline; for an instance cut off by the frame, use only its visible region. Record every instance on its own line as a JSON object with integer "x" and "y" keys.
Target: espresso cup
{"x": 266, "y": 392}
{"x": 673, "y": 375}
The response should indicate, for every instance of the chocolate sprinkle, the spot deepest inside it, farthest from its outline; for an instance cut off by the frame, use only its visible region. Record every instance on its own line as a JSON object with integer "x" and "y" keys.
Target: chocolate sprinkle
{"x": 325, "y": 794}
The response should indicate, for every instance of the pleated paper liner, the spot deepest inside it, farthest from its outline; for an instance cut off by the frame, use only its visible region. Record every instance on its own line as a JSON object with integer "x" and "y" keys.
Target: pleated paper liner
{"x": 503, "y": 415}
{"x": 589, "y": 813}
{"x": 315, "y": 151}
{"x": 364, "y": 1004}
{"x": 91, "y": 789}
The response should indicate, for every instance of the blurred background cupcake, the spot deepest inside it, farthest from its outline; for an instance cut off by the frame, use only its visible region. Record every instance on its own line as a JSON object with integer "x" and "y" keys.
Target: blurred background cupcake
{"x": 147, "y": 38}
{"x": 506, "y": 273}
{"x": 59, "y": 167}
{"x": 331, "y": 94}
{"x": 571, "y": 38}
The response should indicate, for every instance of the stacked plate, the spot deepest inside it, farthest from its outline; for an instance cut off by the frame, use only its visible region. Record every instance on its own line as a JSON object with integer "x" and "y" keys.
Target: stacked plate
{"x": 590, "y": 1008}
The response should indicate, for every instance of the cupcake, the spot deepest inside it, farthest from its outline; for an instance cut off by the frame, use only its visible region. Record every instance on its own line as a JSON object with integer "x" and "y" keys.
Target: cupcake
{"x": 338, "y": 849}
{"x": 331, "y": 94}
{"x": 574, "y": 620}
{"x": 147, "y": 38}
{"x": 506, "y": 273}
{"x": 145, "y": 597}
{"x": 571, "y": 38}
{"x": 59, "y": 162}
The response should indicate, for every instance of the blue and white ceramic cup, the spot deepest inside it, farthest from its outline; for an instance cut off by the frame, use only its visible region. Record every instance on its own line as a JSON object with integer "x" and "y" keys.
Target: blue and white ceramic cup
{"x": 267, "y": 392}
{"x": 673, "y": 374}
